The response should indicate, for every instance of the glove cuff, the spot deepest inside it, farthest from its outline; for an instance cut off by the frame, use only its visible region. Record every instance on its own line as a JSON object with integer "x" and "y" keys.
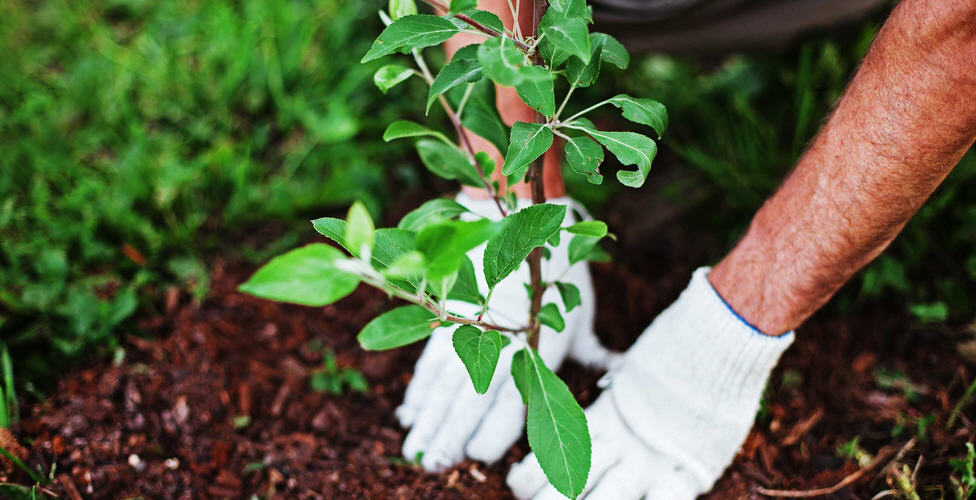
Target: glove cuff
{"x": 699, "y": 371}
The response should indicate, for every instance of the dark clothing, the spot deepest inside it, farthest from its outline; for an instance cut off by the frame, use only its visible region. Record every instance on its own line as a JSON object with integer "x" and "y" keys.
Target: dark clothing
{"x": 719, "y": 25}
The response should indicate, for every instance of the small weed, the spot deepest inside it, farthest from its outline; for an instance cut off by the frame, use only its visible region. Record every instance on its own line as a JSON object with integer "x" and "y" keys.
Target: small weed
{"x": 852, "y": 449}
{"x": 965, "y": 484}
{"x": 332, "y": 379}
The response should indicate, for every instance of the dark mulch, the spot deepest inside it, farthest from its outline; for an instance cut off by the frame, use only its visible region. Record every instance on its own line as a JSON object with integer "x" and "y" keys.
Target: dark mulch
{"x": 220, "y": 407}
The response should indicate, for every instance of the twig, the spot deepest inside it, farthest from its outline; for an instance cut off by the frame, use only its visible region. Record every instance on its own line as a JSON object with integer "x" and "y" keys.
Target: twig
{"x": 883, "y": 457}
{"x": 959, "y": 405}
{"x": 538, "y": 196}
{"x": 478, "y": 26}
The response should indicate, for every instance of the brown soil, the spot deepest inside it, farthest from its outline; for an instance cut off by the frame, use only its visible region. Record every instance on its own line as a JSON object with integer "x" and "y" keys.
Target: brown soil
{"x": 161, "y": 424}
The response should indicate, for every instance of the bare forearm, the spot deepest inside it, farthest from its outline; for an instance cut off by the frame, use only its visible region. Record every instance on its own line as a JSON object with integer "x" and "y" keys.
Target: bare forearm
{"x": 904, "y": 122}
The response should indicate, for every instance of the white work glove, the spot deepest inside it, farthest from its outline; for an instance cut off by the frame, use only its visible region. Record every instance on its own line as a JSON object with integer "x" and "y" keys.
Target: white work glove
{"x": 449, "y": 420}
{"x": 677, "y": 408}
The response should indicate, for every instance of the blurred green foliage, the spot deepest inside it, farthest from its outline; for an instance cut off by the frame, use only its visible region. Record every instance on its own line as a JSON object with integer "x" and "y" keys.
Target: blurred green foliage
{"x": 136, "y": 136}
{"x": 742, "y": 123}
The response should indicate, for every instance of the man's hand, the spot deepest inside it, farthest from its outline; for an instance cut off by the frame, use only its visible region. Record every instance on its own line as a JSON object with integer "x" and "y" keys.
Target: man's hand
{"x": 449, "y": 420}
{"x": 678, "y": 407}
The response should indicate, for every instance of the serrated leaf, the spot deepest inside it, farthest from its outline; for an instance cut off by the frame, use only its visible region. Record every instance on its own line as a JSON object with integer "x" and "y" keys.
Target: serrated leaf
{"x": 522, "y": 231}
{"x": 572, "y": 36}
{"x": 580, "y": 74}
{"x": 555, "y": 424}
{"x": 488, "y": 19}
{"x": 584, "y": 156}
{"x": 360, "y": 233}
{"x": 398, "y": 327}
{"x": 444, "y": 244}
{"x": 611, "y": 51}
{"x": 528, "y": 142}
{"x": 410, "y": 265}
{"x": 305, "y": 276}
{"x": 589, "y": 228}
{"x": 411, "y": 32}
{"x": 536, "y": 89}
{"x": 462, "y": 5}
{"x": 586, "y": 248}
{"x": 390, "y": 243}
{"x": 448, "y": 161}
{"x": 480, "y": 114}
{"x": 479, "y": 352}
{"x": 644, "y": 111}
{"x": 501, "y": 61}
{"x": 630, "y": 148}
{"x": 570, "y": 294}
{"x": 400, "y": 8}
{"x": 456, "y": 72}
{"x": 431, "y": 212}
{"x": 466, "y": 287}
{"x": 403, "y": 128}
{"x": 390, "y": 75}
{"x": 549, "y": 315}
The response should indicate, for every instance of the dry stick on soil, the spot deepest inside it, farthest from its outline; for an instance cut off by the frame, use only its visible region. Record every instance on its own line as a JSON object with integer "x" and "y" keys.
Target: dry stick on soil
{"x": 884, "y": 456}
{"x": 538, "y": 196}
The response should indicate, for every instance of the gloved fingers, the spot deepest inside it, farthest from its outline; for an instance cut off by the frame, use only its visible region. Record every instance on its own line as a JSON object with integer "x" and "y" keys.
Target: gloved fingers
{"x": 500, "y": 427}
{"x": 587, "y": 349}
{"x": 626, "y": 480}
{"x": 463, "y": 418}
{"x": 433, "y": 411}
{"x": 526, "y": 478}
{"x": 426, "y": 373}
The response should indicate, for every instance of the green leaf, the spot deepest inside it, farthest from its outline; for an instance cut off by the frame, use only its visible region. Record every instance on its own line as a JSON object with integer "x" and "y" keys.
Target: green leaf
{"x": 360, "y": 233}
{"x": 572, "y": 36}
{"x": 536, "y": 89}
{"x": 528, "y": 142}
{"x": 644, "y": 111}
{"x": 456, "y": 72}
{"x": 501, "y": 60}
{"x": 448, "y": 161}
{"x": 586, "y": 248}
{"x": 522, "y": 231}
{"x": 480, "y": 115}
{"x": 390, "y": 242}
{"x": 589, "y": 228}
{"x": 570, "y": 294}
{"x": 630, "y": 148}
{"x": 444, "y": 244}
{"x": 431, "y": 212}
{"x": 411, "y": 32}
{"x": 555, "y": 424}
{"x": 400, "y": 8}
{"x": 584, "y": 156}
{"x": 479, "y": 352}
{"x": 398, "y": 327}
{"x": 410, "y": 265}
{"x": 487, "y": 164}
{"x": 549, "y": 315}
{"x": 403, "y": 128}
{"x": 612, "y": 51}
{"x": 466, "y": 287}
{"x": 390, "y": 75}
{"x": 305, "y": 276}
{"x": 463, "y": 5}
{"x": 488, "y": 19}
{"x": 582, "y": 74}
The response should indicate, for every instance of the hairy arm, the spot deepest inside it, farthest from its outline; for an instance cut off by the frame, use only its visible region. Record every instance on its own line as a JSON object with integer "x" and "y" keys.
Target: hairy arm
{"x": 903, "y": 123}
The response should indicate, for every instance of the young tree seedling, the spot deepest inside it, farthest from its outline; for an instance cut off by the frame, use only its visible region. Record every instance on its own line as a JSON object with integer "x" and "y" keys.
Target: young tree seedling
{"x": 423, "y": 259}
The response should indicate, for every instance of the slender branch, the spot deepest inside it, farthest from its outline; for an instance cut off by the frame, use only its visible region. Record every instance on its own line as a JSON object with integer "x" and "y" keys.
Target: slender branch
{"x": 478, "y": 26}
{"x": 462, "y": 134}
{"x": 424, "y": 302}
{"x": 538, "y": 196}
{"x": 585, "y": 111}
{"x": 464, "y": 100}
{"x": 555, "y": 117}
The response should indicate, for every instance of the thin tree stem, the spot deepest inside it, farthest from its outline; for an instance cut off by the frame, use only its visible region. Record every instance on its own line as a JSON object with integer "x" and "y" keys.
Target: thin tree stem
{"x": 555, "y": 117}
{"x": 585, "y": 111}
{"x": 538, "y": 196}
{"x": 478, "y": 26}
